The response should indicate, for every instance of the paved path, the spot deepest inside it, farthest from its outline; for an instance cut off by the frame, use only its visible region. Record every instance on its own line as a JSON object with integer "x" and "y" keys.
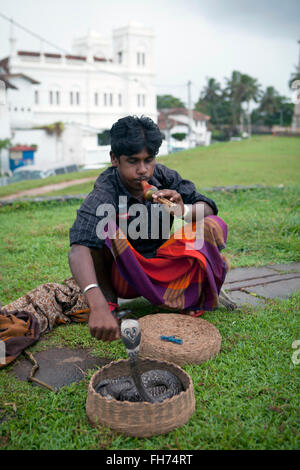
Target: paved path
{"x": 253, "y": 286}
{"x": 46, "y": 189}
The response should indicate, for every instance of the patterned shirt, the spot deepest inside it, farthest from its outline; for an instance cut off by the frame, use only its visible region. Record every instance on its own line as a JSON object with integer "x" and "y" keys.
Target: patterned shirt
{"x": 109, "y": 189}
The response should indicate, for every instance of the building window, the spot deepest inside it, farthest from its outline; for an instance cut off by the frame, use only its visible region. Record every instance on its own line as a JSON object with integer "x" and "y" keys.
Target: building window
{"x": 71, "y": 98}
{"x": 77, "y": 98}
{"x": 96, "y": 99}
{"x": 36, "y": 97}
{"x": 111, "y": 102}
{"x": 103, "y": 138}
{"x": 120, "y": 57}
{"x": 120, "y": 99}
{"x": 57, "y": 97}
{"x": 141, "y": 100}
{"x": 51, "y": 97}
{"x": 141, "y": 58}
{"x": 105, "y": 99}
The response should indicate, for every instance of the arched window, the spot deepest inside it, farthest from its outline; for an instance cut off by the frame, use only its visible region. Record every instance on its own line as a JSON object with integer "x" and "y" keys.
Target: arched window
{"x": 74, "y": 96}
{"x": 141, "y": 54}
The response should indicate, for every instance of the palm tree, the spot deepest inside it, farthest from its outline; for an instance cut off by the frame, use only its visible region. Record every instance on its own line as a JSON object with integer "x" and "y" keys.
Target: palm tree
{"x": 252, "y": 92}
{"x": 210, "y": 98}
{"x": 242, "y": 88}
{"x": 235, "y": 91}
{"x": 269, "y": 103}
{"x": 294, "y": 76}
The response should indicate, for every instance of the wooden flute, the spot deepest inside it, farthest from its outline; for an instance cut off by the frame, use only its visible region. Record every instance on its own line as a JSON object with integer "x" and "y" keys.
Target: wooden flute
{"x": 148, "y": 191}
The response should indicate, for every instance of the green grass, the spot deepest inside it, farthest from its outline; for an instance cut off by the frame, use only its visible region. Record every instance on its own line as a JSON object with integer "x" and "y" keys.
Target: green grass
{"x": 264, "y": 160}
{"x": 246, "y": 398}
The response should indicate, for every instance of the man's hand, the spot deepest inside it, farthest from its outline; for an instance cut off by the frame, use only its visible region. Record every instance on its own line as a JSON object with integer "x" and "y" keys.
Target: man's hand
{"x": 102, "y": 324}
{"x": 173, "y": 196}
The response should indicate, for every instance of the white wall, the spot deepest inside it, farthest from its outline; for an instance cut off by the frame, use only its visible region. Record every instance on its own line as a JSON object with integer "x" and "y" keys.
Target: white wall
{"x": 97, "y": 155}
{"x": 20, "y": 102}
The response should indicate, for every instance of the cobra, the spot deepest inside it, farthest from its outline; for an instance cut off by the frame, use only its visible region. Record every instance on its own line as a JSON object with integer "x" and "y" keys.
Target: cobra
{"x": 152, "y": 386}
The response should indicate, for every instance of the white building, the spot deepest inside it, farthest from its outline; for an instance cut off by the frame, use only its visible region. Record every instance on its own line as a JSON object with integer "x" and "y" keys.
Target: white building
{"x": 193, "y": 128}
{"x": 88, "y": 90}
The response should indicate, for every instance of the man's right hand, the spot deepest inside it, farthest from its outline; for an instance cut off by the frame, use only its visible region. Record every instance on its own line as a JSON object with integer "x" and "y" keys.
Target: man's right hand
{"x": 102, "y": 324}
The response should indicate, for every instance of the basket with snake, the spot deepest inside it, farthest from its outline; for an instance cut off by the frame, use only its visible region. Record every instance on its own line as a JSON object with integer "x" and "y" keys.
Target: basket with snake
{"x": 140, "y": 397}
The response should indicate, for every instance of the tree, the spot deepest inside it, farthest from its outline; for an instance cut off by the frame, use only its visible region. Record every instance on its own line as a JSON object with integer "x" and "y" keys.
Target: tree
{"x": 242, "y": 88}
{"x": 168, "y": 101}
{"x": 273, "y": 109}
{"x": 235, "y": 91}
{"x": 294, "y": 76}
{"x": 269, "y": 101}
{"x": 209, "y": 100}
{"x": 252, "y": 92}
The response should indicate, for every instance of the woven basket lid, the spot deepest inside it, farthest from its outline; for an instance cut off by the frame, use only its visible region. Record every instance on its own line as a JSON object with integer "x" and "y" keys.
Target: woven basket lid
{"x": 200, "y": 339}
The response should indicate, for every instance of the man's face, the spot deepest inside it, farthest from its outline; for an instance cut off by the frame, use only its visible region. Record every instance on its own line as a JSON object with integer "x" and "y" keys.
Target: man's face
{"x": 133, "y": 169}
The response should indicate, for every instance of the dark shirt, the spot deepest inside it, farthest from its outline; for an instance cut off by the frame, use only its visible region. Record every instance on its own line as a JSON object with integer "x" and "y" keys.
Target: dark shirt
{"x": 109, "y": 188}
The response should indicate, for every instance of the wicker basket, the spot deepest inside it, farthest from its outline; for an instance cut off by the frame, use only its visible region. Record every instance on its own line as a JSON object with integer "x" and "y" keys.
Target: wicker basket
{"x": 201, "y": 339}
{"x": 140, "y": 419}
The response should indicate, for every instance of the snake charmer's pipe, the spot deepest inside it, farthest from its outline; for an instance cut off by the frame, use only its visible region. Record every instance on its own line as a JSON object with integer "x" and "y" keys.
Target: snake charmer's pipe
{"x": 148, "y": 191}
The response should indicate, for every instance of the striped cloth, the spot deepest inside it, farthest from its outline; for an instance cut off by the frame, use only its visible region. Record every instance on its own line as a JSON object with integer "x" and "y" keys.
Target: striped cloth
{"x": 186, "y": 274}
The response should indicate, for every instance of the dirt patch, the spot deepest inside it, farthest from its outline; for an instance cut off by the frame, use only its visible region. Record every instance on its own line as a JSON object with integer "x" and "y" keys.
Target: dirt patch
{"x": 59, "y": 366}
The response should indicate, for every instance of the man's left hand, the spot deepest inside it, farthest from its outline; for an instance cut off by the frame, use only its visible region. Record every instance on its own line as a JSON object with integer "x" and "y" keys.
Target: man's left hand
{"x": 173, "y": 196}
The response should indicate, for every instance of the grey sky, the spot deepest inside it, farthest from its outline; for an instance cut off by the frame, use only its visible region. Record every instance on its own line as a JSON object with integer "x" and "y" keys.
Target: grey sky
{"x": 194, "y": 38}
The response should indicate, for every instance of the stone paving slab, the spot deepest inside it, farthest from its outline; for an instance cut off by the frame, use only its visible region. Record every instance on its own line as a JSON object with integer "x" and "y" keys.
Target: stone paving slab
{"x": 292, "y": 267}
{"x": 238, "y": 274}
{"x": 243, "y": 298}
{"x": 236, "y": 285}
{"x": 280, "y": 289}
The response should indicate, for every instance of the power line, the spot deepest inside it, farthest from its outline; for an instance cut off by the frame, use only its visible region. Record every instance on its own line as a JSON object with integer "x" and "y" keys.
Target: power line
{"x": 33, "y": 34}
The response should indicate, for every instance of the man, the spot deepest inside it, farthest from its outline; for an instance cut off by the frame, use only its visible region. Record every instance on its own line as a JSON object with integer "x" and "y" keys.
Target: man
{"x": 97, "y": 263}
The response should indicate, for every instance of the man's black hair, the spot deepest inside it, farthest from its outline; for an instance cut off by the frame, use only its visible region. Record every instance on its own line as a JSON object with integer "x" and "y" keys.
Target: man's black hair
{"x": 131, "y": 134}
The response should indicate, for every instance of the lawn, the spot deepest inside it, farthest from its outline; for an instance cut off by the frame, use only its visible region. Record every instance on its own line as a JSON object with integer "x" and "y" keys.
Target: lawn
{"x": 246, "y": 398}
{"x": 264, "y": 160}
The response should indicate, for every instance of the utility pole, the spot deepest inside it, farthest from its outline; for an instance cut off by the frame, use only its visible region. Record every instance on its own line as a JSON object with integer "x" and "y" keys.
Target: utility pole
{"x": 190, "y": 112}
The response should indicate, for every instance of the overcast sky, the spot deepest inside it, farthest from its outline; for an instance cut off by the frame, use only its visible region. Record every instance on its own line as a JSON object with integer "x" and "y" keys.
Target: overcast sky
{"x": 195, "y": 39}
